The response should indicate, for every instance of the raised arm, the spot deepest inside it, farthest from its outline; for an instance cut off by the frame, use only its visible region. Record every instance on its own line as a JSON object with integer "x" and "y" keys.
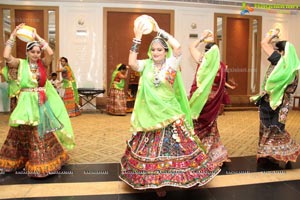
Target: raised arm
{"x": 48, "y": 52}
{"x": 134, "y": 50}
{"x": 58, "y": 68}
{"x": 175, "y": 45}
{"x": 266, "y": 42}
{"x": 196, "y": 54}
{"x": 9, "y": 59}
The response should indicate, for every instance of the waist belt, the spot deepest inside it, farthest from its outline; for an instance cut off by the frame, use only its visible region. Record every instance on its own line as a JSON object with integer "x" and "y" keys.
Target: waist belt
{"x": 33, "y": 89}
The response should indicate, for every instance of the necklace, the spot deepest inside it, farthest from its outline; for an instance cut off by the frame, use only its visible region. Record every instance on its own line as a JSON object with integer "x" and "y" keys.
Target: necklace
{"x": 157, "y": 72}
{"x": 156, "y": 80}
{"x": 34, "y": 71}
{"x": 161, "y": 62}
{"x": 33, "y": 67}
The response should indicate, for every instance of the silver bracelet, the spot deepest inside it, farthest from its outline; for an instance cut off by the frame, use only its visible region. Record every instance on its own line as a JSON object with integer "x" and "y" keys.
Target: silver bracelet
{"x": 10, "y": 42}
{"x": 135, "y": 47}
{"x": 163, "y": 34}
{"x": 45, "y": 45}
{"x": 138, "y": 41}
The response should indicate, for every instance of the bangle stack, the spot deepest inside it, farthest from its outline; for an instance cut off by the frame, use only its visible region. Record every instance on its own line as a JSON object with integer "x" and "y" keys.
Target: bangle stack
{"x": 10, "y": 42}
{"x": 43, "y": 44}
{"x": 163, "y": 34}
{"x": 135, "y": 45}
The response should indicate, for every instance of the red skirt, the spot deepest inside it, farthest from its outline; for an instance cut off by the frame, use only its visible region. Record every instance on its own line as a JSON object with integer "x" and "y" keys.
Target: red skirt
{"x": 157, "y": 158}
{"x": 71, "y": 105}
{"x": 226, "y": 98}
{"x": 117, "y": 102}
{"x": 210, "y": 138}
{"x": 24, "y": 148}
{"x": 277, "y": 144}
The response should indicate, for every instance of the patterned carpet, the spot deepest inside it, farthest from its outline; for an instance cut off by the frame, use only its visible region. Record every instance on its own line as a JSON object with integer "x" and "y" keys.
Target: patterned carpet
{"x": 101, "y": 138}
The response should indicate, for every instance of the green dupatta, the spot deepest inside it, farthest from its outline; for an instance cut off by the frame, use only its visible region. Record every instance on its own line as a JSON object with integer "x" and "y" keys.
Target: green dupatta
{"x": 65, "y": 134}
{"x": 205, "y": 78}
{"x": 120, "y": 85}
{"x": 66, "y": 83}
{"x": 157, "y": 107}
{"x": 282, "y": 75}
{"x": 13, "y": 87}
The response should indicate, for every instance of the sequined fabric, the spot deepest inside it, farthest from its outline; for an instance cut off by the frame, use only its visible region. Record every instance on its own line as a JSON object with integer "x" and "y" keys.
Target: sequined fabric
{"x": 166, "y": 157}
{"x": 274, "y": 140}
{"x": 211, "y": 140}
{"x": 117, "y": 102}
{"x": 69, "y": 101}
{"x": 24, "y": 149}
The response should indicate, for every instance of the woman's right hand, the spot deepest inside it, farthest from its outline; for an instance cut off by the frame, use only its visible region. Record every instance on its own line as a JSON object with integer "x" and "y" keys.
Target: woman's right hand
{"x": 14, "y": 33}
{"x": 205, "y": 34}
{"x": 155, "y": 25}
{"x": 138, "y": 30}
{"x": 58, "y": 64}
{"x": 273, "y": 32}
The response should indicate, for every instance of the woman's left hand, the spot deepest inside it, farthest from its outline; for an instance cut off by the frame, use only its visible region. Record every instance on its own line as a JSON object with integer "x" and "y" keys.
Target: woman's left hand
{"x": 36, "y": 35}
{"x": 138, "y": 31}
{"x": 14, "y": 33}
{"x": 155, "y": 25}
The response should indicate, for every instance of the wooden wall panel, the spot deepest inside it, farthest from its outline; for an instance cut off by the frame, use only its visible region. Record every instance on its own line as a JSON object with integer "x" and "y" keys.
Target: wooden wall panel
{"x": 237, "y": 52}
{"x": 34, "y": 18}
{"x": 120, "y": 34}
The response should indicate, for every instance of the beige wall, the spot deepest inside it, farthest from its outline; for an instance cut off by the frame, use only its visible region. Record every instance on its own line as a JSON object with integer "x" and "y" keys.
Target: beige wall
{"x": 86, "y": 52}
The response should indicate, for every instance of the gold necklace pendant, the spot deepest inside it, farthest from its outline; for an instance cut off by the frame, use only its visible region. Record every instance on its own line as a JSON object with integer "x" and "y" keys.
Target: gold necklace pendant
{"x": 34, "y": 71}
{"x": 33, "y": 67}
{"x": 156, "y": 72}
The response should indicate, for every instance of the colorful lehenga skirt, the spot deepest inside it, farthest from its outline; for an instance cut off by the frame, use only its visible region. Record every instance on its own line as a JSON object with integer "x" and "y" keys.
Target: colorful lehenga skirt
{"x": 70, "y": 103}
{"x": 25, "y": 149}
{"x": 210, "y": 138}
{"x": 206, "y": 125}
{"x": 157, "y": 158}
{"x": 274, "y": 141}
{"x": 117, "y": 102}
{"x": 207, "y": 130}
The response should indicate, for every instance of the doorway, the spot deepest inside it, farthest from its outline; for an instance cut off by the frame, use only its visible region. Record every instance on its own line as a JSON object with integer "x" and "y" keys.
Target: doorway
{"x": 119, "y": 33}
{"x": 118, "y": 37}
{"x": 43, "y": 18}
{"x": 239, "y": 39}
